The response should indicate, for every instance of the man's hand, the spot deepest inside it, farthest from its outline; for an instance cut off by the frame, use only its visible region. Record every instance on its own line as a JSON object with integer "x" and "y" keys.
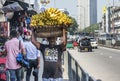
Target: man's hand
{"x": 38, "y": 66}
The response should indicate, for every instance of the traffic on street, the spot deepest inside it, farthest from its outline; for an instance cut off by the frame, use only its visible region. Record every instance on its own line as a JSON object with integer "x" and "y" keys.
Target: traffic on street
{"x": 102, "y": 63}
{"x": 51, "y": 40}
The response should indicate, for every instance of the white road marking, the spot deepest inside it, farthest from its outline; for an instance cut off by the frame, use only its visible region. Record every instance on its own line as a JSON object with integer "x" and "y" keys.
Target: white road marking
{"x": 110, "y": 56}
{"x": 101, "y": 53}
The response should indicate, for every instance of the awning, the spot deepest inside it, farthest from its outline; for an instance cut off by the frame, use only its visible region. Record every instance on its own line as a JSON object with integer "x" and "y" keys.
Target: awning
{"x": 31, "y": 12}
{"x": 1, "y": 3}
{"x": 12, "y": 6}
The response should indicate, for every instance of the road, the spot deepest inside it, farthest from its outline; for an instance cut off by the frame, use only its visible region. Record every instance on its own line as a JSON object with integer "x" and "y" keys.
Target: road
{"x": 103, "y": 63}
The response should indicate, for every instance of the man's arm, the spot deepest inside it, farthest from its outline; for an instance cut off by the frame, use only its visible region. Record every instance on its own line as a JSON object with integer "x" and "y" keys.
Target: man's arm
{"x": 38, "y": 59}
{"x": 23, "y": 51}
{"x": 64, "y": 39}
{"x": 34, "y": 41}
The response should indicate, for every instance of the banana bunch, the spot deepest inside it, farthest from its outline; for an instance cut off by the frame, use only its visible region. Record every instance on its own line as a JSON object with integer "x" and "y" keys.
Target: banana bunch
{"x": 51, "y": 17}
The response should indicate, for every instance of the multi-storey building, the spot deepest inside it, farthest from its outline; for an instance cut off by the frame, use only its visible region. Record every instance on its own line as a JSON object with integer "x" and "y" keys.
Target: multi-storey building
{"x": 111, "y": 20}
{"x": 115, "y": 19}
{"x": 87, "y": 13}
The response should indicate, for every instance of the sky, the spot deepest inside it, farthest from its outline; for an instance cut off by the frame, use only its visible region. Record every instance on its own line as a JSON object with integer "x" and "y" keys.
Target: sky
{"x": 71, "y": 6}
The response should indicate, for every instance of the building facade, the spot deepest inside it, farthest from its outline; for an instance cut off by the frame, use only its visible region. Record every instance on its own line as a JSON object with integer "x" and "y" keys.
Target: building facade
{"x": 111, "y": 20}
{"x": 87, "y": 13}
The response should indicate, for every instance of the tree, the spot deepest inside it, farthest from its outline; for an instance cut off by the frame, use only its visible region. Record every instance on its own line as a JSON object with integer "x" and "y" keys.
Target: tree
{"x": 91, "y": 28}
{"x": 73, "y": 28}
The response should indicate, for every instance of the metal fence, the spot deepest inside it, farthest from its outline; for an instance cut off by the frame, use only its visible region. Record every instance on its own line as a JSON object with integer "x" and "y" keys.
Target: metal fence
{"x": 109, "y": 43}
{"x": 75, "y": 71}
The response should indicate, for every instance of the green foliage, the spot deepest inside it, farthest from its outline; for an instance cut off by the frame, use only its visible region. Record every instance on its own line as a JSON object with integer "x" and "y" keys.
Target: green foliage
{"x": 91, "y": 28}
{"x": 73, "y": 27}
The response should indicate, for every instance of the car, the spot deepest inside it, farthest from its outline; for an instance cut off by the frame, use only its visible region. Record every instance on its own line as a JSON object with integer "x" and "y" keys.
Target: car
{"x": 93, "y": 43}
{"x": 69, "y": 44}
{"x": 84, "y": 45}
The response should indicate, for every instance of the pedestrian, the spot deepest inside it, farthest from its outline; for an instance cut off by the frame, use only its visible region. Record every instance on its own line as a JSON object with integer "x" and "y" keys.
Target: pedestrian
{"x": 20, "y": 33}
{"x": 12, "y": 50}
{"x": 52, "y": 57}
{"x": 59, "y": 41}
{"x": 32, "y": 56}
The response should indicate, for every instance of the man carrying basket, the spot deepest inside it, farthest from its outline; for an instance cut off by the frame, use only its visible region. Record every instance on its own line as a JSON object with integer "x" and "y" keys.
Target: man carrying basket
{"x": 52, "y": 57}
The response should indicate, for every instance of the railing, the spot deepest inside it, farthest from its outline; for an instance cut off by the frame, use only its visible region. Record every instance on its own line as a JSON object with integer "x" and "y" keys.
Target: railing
{"x": 75, "y": 71}
{"x": 108, "y": 43}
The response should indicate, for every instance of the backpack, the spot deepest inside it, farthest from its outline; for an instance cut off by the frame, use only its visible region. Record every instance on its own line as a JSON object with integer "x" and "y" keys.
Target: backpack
{"x": 21, "y": 59}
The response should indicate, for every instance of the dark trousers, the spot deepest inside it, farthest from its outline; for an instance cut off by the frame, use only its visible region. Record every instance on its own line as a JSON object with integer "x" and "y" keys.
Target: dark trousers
{"x": 15, "y": 74}
{"x": 33, "y": 65}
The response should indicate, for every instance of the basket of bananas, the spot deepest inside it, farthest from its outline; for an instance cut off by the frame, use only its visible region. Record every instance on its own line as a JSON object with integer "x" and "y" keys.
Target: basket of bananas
{"x": 50, "y": 22}
{"x": 48, "y": 31}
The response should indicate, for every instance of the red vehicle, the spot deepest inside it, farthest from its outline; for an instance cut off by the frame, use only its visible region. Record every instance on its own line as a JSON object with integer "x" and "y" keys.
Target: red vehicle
{"x": 2, "y": 69}
{"x": 75, "y": 43}
{"x": 2, "y": 59}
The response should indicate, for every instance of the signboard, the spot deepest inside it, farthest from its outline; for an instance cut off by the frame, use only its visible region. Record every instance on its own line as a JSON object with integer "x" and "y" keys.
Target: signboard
{"x": 113, "y": 41}
{"x": 4, "y": 29}
{"x": 104, "y": 9}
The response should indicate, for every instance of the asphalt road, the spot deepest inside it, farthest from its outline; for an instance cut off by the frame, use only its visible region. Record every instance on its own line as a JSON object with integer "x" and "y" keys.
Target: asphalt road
{"x": 103, "y": 63}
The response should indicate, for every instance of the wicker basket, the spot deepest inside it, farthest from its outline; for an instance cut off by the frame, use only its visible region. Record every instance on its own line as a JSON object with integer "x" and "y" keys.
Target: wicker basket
{"x": 49, "y": 31}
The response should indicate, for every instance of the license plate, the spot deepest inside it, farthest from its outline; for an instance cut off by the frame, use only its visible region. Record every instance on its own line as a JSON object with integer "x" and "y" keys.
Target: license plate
{"x": 86, "y": 49}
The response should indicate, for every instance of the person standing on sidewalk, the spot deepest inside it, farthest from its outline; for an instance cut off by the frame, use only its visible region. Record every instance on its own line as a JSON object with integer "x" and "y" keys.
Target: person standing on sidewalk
{"x": 52, "y": 57}
{"x": 32, "y": 56}
{"x": 12, "y": 49}
{"x": 20, "y": 33}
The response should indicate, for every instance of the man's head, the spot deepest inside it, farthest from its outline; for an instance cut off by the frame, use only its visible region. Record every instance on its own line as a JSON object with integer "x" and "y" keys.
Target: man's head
{"x": 20, "y": 31}
{"x": 27, "y": 35}
{"x": 13, "y": 33}
{"x": 52, "y": 40}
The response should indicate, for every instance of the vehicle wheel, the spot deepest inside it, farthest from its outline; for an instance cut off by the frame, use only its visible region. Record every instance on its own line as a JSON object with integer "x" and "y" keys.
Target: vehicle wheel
{"x": 90, "y": 50}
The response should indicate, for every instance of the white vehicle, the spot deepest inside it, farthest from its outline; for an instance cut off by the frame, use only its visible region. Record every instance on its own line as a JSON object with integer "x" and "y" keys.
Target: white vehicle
{"x": 94, "y": 43}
